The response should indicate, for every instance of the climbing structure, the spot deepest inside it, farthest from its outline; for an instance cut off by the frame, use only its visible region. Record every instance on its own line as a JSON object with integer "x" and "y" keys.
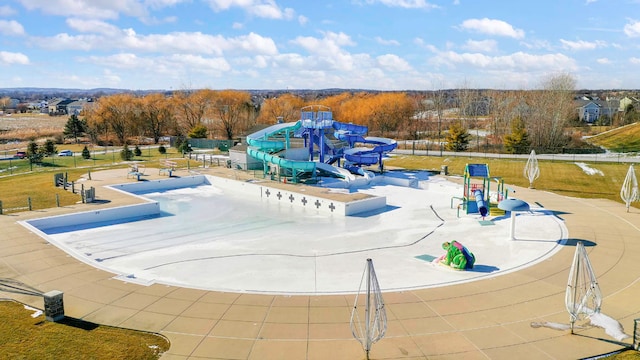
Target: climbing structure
{"x": 477, "y": 197}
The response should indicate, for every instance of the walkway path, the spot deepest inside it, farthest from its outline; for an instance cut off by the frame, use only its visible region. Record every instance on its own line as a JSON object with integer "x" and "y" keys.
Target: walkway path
{"x": 488, "y": 319}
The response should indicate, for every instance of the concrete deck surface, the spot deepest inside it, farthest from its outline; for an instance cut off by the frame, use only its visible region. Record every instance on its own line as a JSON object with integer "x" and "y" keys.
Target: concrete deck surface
{"x": 485, "y": 319}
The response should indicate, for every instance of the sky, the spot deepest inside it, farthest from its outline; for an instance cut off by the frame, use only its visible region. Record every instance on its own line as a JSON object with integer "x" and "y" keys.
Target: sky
{"x": 308, "y": 44}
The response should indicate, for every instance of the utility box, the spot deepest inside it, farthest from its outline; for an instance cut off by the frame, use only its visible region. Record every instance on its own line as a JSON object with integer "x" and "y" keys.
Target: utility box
{"x": 444, "y": 170}
{"x": 53, "y": 306}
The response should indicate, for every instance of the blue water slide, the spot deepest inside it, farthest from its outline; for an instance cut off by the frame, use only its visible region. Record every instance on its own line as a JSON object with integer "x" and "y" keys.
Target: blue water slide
{"x": 362, "y": 156}
{"x": 350, "y": 133}
{"x": 480, "y": 203}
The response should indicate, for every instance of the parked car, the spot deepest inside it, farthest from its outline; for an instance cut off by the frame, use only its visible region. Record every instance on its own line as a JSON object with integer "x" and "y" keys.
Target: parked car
{"x": 65, "y": 153}
{"x": 21, "y": 155}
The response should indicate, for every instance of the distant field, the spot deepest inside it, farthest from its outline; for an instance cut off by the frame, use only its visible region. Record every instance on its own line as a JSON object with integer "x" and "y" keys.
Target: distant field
{"x": 16, "y": 130}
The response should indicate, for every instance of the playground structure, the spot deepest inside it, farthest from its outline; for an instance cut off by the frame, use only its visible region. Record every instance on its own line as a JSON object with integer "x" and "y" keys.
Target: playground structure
{"x": 349, "y": 147}
{"x": 477, "y": 197}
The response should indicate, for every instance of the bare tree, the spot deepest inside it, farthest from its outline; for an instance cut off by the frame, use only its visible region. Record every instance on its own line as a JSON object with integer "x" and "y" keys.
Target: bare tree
{"x": 230, "y": 110}
{"x": 156, "y": 117}
{"x": 551, "y": 109}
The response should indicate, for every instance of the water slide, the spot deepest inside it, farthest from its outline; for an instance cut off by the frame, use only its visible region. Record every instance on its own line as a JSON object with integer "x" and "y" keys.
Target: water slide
{"x": 262, "y": 146}
{"x": 353, "y": 134}
{"x": 480, "y": 203}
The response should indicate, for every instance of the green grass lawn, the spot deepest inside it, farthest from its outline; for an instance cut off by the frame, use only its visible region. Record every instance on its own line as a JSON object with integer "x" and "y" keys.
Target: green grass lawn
{"x": 21, "y": 181}
{"x": 26, "y": 337}
{"x": 566, "y": 178}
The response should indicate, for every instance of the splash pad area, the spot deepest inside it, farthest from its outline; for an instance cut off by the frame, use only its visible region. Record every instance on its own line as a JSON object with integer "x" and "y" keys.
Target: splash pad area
{"x": 199, "y": 232}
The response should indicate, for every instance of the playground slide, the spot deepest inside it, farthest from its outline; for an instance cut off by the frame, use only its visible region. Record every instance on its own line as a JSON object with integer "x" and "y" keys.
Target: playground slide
{"x": 482, "y": 207}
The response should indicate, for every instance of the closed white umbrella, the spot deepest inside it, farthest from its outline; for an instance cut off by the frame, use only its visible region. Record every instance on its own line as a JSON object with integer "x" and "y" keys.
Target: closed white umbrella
{"x": 531, "y": 169}
{"x": 369, "y": 323}
{"x": 629, "y": 190}
{"x": 583, "y": 297}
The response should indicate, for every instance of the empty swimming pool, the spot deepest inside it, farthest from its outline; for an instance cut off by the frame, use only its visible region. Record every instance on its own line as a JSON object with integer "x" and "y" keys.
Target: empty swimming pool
{"x": 217, "y": 236}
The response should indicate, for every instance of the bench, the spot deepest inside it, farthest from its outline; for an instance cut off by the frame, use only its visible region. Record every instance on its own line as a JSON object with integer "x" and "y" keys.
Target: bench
{"x": 167, "y": 167}
{"x": 136, "y": 171}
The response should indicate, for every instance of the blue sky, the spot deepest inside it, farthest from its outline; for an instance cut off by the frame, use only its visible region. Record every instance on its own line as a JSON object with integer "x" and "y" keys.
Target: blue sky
{"x": 313, "y": 44}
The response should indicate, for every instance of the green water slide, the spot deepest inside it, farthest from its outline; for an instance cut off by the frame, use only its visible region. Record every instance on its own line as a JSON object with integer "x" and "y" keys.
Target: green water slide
{"x": 264, "y": 143}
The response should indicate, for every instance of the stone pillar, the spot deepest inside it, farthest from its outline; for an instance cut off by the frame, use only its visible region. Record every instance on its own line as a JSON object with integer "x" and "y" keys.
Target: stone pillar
{"x": 53, "y": 306}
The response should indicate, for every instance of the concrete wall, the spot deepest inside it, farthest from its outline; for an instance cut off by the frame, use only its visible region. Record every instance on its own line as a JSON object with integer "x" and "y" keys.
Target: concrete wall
{"x": 102, "y": 215}
{"x": 259, "y": 191}
{"x": 298, "y": 199}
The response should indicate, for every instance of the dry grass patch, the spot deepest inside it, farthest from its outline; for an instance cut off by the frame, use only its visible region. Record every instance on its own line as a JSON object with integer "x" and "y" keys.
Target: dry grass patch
{"x": 16, "y": 130}
{"x": 26, "y": 337}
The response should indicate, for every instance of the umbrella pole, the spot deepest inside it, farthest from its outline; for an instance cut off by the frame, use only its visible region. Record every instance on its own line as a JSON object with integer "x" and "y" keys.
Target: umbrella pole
{"x": 575, "y": 290}
{"x": 367, "y": 310}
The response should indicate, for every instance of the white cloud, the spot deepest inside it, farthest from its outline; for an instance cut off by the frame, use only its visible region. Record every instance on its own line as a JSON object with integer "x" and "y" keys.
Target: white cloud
{"x": 582, "y": 45}
{"x": 303, "y": 20}
{"x": 634, "y": 60}
{"x": 492, "y": 27}
{"x": 407, "y": 4}
{"x": 392, "y": 62}
{"x": 159, "y": 4}
{"x": 162, "y": 64}
{"x": 603, "y": 61}
{"x": 537, "y": 44}
{"x": 382, "y": 41}
{"x": 87, "y": 8}
{"x": 128, "y": 40}
{"x": 10, "y": 58}
{"x": 93, "y": 26}
{"x": 259, "y": 8}
{"x": 252, "y": 43}
{"x": 11, "y": 28}
{"x": 331, "y": 43}
{"x": 517, "y": 61}
{"x": 6, "y": 10}
{"x": 486, "y": 46}
{"x": 632, "y": 29}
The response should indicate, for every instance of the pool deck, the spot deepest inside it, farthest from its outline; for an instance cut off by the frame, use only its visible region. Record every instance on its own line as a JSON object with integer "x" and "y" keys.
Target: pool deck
{"x": 486, "y": 319}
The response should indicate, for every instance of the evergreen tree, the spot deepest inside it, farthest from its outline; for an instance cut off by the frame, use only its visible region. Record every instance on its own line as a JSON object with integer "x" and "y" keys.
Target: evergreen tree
{"x": 49, "y": 148}
{"x": 185, "y": 147}
{"x": 137, "y": 151}
{"x": 457, "y": 138}
{"x": 75, "y": 128}
{"x": 518, "y": 141}
{"x": 86, "y": 154}
{"x": 34, "y": 153}
{"x": 126, "y": 154}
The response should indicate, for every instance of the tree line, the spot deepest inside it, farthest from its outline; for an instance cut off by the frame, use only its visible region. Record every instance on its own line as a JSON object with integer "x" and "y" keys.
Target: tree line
{"x": 514, "y": 121}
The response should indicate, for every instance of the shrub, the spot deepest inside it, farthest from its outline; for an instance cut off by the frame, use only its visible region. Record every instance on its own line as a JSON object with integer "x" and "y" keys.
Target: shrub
{"x": 198, "y": 132}
{"x": 137, "y": 151}
{"x": 162, "y": 150}
{"x": 86, "y": 154}
{"x": 126, "y": 154}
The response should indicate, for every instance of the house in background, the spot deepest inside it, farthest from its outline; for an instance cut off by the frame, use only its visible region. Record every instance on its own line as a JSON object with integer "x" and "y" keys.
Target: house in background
{"x": 591, "y": 110}
{"x": 626, "y": 101}
{"x": 67, "y": 106}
